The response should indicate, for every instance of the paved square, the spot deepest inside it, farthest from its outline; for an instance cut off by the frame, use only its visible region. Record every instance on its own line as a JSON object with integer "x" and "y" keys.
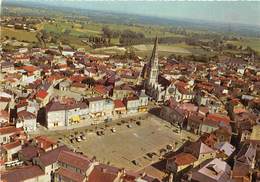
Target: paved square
{"x": 124, "y": 146}
{"x": 128, "y": 144}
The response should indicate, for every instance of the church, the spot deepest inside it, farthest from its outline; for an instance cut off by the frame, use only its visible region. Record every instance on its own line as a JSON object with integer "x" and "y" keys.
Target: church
{"x": 157, "y": 87}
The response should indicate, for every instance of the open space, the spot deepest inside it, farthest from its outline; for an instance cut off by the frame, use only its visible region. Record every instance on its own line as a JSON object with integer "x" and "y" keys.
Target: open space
{"x": 20, "y": 35}
{"x": 163, "y": 48}
{"x": 125, "y": 145}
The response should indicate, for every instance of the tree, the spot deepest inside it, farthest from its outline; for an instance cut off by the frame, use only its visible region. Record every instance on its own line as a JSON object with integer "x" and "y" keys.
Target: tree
{"x": 89, "y": 81}
{"x": 107, "y": 32}
{"x": 129, "y": 37}
{"x": 230, "y": 110}
{"x": 67, "y": 32}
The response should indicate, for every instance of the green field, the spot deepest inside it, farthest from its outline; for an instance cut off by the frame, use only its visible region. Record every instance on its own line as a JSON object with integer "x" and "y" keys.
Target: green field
{"x": 167, "y": 49}
{"x": 71, "y": 28}
{"x": 86, "y": 29}
{"x": 20, "y": 35}
{"x": 171, "y": 48}
{"x": 73, "y": 32}
{"x": 95, "y": 29}
{"x": 74, "y": 28}
{"x": 254, "y": 43}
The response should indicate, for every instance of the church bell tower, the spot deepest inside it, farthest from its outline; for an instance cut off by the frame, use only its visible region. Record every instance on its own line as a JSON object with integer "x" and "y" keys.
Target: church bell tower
{"x": 153, "y": 65}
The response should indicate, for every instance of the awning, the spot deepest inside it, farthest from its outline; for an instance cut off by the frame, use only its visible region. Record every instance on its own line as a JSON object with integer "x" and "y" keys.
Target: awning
{"x": 75, "y": 118}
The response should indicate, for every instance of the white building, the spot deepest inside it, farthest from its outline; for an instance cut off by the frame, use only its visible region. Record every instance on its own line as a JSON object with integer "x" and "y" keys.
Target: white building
{"x": 64, "y": 114}
{"x": 96, "y": 106}
{"x": 27, "y": 120}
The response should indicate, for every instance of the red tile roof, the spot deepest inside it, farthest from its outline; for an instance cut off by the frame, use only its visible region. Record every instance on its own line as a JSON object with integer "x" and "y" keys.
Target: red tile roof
{"x": 45, "y": 142}
{"x": 4, "y": 114}
{"x": 29, "y": 68}
{"x": 51, "y": 157}
{"x": 22, "y": 174}
{"x": 119, "y": 104}
{"x": 42, "y": 94}
{"x": 73, "y": 159}
{"x": 183, "y": 159}
{"x": 77, "y": 78}
{"x": 100, "y": 89}
{"x": 10, "y": 130}
{"x": 70, "y": 175}
{"x": 219, "y": 118}
{"x": 132, "y": 98}
{"x": 12, "y": 145}
{"x": 26, "y": 115}
{"x": 29, "y": 152}
{"x": 102, "y": 173}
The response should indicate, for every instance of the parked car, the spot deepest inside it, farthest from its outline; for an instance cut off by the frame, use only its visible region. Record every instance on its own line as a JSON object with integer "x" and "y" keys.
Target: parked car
{"x": 113, "y": 130}
{"x": 129, "y": 126}
{"x": 176, "y": 131}
{"x": 78, "y": 139}
{"x": 169, "y": 147}
{"x": 108, "y": 120}
{"x": 83, "y": 137}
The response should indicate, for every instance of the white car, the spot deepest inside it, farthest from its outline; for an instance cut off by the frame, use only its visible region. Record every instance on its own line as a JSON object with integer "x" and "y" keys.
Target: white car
{"x": 129, "y": 126}
{"x": 83, "y": 137}
{"x": 78, "y": 139}
{"x": 113, "y": 130}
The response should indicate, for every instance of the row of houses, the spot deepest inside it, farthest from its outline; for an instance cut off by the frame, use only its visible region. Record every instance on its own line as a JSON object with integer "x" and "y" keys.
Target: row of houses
{"x": 211, "y": 159}
{"x": 67, "y": 112}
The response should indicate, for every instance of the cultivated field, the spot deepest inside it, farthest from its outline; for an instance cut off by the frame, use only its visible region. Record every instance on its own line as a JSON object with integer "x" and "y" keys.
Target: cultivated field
{"x": 109, "y": 50}
{"x": 254, "y": 43}
{"x": 174, "y": 48}
{"x": 20, "y": 35}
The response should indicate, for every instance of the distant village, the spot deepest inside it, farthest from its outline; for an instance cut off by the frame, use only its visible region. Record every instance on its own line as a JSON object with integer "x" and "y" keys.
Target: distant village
{"x": 58, "y": 87}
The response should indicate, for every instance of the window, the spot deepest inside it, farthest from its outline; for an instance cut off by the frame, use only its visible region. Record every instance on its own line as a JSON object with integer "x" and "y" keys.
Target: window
{"x": 222, "y": 137}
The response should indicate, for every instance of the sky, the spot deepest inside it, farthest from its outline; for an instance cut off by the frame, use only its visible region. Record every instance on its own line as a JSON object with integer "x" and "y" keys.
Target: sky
{"x": 244, "y": 12}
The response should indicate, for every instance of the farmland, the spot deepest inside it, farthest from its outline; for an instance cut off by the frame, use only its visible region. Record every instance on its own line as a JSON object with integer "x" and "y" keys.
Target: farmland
{"x": 20, "y": 35}
{"x": 73, "y": 30}
{"x": 95, "y": 29}
{"x": 254, "y": 43}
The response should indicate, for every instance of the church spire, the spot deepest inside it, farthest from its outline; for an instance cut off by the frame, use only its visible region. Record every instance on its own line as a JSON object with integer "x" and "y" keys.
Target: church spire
{"x": 153, "y": 66}
{"x": 154, "y": 56}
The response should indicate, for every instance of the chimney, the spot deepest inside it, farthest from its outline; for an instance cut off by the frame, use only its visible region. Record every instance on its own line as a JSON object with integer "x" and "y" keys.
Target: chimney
{"x": 121, "y": 172}
{"x": 38, "y": 153}
{"x": 41, "y": 144}
{"x": 22, "y": 142}
{"x": 143, "y": 174}
{"x": 103, "y": 170}
{"x": 94, "y": 159}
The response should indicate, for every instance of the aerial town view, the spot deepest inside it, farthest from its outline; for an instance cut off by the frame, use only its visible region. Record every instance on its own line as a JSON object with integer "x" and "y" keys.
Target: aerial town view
{"x": 129, "y": 91}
